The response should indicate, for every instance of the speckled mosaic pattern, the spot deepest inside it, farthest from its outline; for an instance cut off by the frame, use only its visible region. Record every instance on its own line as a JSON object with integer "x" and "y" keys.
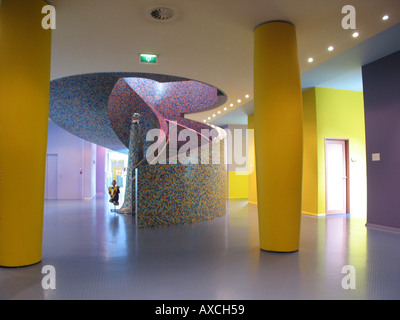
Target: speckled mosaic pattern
{"x": 99, "y": 108}
{"x": 180, "y": 194}
{"x": 135, "y": 159}
{"x": 79, "y": 104}
{"x": 123, "y": 103}
{"x": 172, "y": 99}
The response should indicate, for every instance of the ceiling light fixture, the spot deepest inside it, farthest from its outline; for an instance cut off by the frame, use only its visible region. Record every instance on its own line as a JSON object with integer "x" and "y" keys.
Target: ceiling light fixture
{"x": 225, "y": 108}
{"x": 355, "y": 34}
{"x": 247, "y": 96}
{"x": 239, "y": 101}
{"x": 310, "y": 60}
{"x": 219, "y": 112}
{"x": 214, "y": 115}
{"x": 385, "y": 17}
{"x": 231, "y": 105}
{"x": 331, "y": 48}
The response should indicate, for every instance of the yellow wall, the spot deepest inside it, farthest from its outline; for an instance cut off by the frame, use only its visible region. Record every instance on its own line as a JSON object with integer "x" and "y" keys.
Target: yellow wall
{"x": 238, "y": 186}
{"x": 328, "y": 113}
{"x": 339, "y": 114}
{"x": 237, "y": 172}
{"x": 25, "y": 52}
{"x": 310, "y": 158}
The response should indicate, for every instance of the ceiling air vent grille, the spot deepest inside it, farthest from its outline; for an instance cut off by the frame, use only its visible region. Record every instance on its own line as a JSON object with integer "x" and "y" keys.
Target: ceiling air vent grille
{"x": 162, "y": 14}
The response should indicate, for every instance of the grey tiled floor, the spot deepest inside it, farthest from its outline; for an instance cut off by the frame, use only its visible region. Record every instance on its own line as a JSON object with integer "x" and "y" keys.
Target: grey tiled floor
{"x": 100, "y": 255}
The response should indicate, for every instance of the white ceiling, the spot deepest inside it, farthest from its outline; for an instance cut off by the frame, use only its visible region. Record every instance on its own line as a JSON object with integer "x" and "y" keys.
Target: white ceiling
{"x": 212, "y": 40}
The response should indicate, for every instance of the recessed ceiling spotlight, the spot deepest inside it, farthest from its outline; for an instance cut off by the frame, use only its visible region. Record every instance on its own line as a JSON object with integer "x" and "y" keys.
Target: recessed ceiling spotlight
{"x": 214, "y": 115}
{"x": 225, "y": 108}
{"x": 310, "y": 60}
{"x": 355, "y": 34}
{"x": 231, "y": 105}
{"x": 385, "y": 17}
{"x": 209, "y": 118}
{"x": 331, "y": 48}
{"x": 219, "y": 112}
{"x": 239, "y": 101}
{"x": 247, "y": 96}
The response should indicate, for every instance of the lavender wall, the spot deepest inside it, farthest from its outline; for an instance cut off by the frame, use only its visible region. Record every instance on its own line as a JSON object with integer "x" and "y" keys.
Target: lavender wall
{"x": 381, "y": 80}
{"x": 100, "y": 170}
{"x": 89, "y": 170}
{"x": 73, "y": 154}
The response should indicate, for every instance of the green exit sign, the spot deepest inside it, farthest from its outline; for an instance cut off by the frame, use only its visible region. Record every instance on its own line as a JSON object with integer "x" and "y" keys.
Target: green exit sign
{"x": 148, "y": 58}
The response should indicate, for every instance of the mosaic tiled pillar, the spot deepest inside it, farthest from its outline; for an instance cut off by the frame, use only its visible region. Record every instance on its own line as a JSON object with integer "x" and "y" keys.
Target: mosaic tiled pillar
{"x": 181, "y": 193}
{"x": 134, "y": 159}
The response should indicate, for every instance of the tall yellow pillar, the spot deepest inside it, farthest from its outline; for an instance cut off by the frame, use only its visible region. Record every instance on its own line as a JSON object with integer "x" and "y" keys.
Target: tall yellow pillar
{"x": 252, "y": 161}
{"x": 25, "y": 49}
{"x": 278, "y": 135}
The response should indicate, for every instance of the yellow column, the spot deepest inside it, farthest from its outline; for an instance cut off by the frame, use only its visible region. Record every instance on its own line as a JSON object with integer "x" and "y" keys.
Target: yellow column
{"x": 25, "y": 49}
{"x": 278, "y": 135}
{"x": 252, "y": 161}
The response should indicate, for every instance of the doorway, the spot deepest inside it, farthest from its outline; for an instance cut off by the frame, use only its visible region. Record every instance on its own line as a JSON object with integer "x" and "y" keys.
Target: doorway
{"x": 116, "y": 167}
{"x": 51, "y": 192}
{"x": 337, "y": 176}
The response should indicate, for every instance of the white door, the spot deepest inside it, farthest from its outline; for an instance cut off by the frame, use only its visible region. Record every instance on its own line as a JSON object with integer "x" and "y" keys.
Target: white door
{"x": 51, "y": 177}
{"x": 336, "y": 176}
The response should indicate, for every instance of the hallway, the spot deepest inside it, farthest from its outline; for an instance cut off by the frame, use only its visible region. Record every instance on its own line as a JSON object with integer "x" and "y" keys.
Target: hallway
{"x": 100, "y": 255}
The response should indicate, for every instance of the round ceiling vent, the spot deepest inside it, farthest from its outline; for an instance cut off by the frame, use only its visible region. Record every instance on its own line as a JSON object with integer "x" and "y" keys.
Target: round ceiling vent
{"x": 162, "y": 14}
